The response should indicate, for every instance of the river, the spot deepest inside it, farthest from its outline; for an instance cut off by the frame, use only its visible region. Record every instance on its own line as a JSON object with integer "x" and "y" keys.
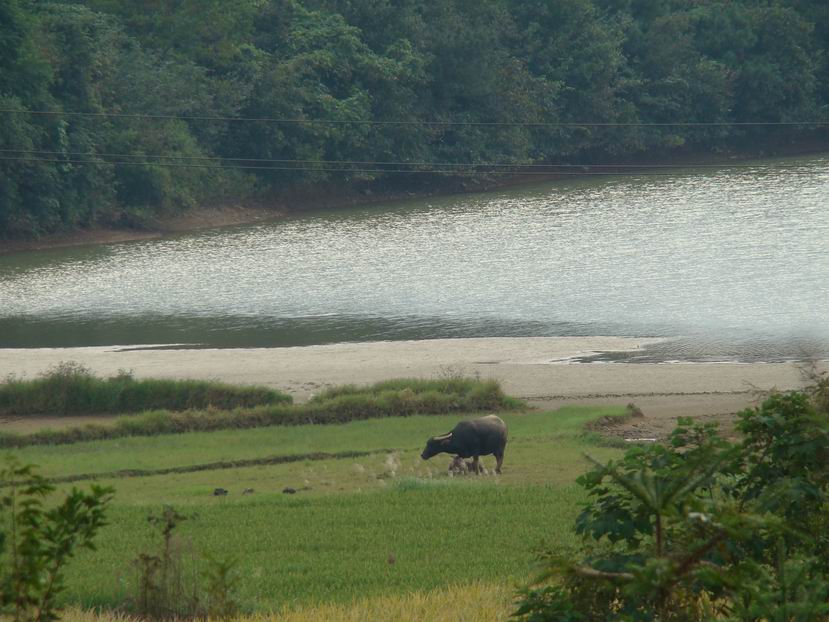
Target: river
{"x": 729, "y": 263}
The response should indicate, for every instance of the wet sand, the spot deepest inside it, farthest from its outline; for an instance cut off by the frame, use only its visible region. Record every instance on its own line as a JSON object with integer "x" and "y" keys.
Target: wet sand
{"x": 539, "y": 369}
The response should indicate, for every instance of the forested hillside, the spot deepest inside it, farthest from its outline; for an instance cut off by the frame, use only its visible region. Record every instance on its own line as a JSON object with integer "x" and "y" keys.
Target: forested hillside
{"x": 348, "y": 84}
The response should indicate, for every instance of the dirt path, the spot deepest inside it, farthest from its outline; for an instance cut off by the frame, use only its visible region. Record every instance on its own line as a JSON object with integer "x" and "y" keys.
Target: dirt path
{"x": 660, "y": 413}
{"x": 29, "y": 424}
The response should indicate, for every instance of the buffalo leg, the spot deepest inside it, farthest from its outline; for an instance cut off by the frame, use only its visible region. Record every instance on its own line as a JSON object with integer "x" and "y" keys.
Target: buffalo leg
{"x": 475, "y": 466}
{"x": 499, "y": 460}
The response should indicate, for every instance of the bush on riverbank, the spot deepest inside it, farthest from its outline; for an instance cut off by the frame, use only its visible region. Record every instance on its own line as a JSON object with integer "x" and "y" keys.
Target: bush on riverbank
{"x": 703, "y": 528}
{"x": 398, "y": 398}
{"x": 71, "y": 389}
{"x": 455, "y": 385}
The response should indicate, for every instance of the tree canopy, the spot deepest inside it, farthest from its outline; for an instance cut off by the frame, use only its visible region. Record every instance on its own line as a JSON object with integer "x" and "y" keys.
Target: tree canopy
{"x": 471, "y": 81}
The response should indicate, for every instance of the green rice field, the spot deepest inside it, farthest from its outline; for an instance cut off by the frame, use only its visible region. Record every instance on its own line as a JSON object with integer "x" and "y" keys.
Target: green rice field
{"x": 380, "y": 522}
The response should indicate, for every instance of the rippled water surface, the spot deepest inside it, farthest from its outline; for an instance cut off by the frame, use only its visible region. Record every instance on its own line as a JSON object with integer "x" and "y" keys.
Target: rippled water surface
{"x": 733, "y": 261}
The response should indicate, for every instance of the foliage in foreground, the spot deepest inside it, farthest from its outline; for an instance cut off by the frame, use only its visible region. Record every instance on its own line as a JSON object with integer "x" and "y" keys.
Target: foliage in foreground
{"x": 704, "y": 528}
{"x": 70, "y": 388}
{"x": 397, "y": 398}
{"x": 165, "y": 588}
{"x": 36, "y": 543}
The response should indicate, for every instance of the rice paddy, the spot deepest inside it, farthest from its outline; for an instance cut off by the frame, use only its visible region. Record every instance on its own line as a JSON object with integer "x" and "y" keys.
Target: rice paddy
{"x": 369, "y": 532}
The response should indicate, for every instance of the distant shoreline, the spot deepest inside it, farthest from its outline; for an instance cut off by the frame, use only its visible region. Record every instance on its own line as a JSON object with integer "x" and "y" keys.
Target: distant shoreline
{"x": 217, "y": 217}
{"x": 194, "y": 220}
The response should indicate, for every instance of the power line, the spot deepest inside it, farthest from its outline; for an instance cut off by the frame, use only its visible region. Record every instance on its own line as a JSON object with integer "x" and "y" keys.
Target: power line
{"x": 568, "y": 124}
{"x": 516, "y": 169}
{"x": 220, "y": 159}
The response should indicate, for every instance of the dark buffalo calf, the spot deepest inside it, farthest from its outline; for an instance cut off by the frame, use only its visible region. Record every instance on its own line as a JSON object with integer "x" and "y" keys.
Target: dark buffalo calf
{"x": 471, "y": 439}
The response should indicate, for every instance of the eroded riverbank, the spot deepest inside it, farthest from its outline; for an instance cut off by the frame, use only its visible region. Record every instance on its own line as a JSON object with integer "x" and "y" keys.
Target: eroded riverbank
{"x": 204, "y": 218}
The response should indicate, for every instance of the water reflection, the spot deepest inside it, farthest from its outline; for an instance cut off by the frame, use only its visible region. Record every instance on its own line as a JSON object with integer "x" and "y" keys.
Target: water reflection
{"x": 732, "y": 257}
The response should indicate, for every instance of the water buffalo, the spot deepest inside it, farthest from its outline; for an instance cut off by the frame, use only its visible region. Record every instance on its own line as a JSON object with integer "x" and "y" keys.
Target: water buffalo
{"x": 471, "y": 439}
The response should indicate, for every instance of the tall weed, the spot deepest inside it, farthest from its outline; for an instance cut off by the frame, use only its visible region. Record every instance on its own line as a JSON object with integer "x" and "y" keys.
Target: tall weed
{"x": 169, "y": 584}
{"x": 72, "y": 389}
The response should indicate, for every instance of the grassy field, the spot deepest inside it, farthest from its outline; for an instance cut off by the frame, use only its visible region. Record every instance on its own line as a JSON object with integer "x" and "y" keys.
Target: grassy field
{"x": 406, "y": 433}
{"x": 384, "y": 524}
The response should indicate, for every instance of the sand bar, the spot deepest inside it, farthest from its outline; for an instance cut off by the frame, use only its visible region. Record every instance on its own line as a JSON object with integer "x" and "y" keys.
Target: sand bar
{"x": 537, "y": 368}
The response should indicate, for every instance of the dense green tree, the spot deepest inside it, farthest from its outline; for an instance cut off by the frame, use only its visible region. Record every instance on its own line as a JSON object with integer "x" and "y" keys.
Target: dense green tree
{"x": 330, "y": 70}
{"x": 578, "y": 56}
{"x": 24, "y": 79}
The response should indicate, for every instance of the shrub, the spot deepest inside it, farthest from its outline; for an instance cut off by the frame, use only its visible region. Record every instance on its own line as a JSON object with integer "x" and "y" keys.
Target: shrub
{"x": 36, "y": 543}
{"x": 458, "y": 386}
{"x": 71, "y": 389}
{"x": 703, "y": 528}
{"x": 167, "y": 585}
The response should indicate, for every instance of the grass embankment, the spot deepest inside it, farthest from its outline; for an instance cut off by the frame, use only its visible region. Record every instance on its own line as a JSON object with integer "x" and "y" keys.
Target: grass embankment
{"x": 383, "y": 526}
{"x": 71, "y": 389}
{"x": 397, "y": 398}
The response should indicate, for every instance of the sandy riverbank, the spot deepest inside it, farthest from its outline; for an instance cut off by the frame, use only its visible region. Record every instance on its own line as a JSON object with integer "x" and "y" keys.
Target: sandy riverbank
{"x": 536, "y": 369}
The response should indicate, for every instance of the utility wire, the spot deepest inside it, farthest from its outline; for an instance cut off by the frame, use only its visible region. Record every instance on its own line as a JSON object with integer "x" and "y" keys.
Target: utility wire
{"x": 516, "y": 168}
{"x": 122, "y": 115}
{"x": 220, "y": 159}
